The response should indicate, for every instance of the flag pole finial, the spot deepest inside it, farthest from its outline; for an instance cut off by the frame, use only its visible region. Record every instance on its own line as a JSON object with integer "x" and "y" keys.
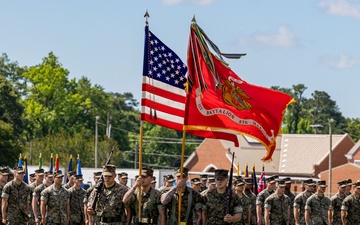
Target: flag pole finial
{"x": 193, "y": 19}
{"x": 146, "y": 17}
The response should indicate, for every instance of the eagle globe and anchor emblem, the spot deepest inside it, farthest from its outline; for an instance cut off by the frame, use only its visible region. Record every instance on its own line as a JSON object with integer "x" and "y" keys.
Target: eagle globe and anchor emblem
{"x": 234, "y": 95}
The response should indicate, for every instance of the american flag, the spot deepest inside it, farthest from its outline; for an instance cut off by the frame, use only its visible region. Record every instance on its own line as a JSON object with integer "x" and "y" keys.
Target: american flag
{"x": 261, "y": 185}
{"x": 163, "y": 88}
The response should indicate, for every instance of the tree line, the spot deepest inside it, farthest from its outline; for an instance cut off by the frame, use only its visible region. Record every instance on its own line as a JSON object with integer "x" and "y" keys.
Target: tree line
{"x": 43, "y": 111}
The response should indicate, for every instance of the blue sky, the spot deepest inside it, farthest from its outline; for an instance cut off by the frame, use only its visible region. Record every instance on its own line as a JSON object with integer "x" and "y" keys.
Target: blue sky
{"x": 287, "y": 42}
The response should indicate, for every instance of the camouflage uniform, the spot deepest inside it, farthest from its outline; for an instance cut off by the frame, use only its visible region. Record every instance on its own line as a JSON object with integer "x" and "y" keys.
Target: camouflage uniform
{"x": 109, "y": 207}
{"x": 18, "y": 196}
{"x": 77, "y": 205}
{"x": 260, "y": 200}
{"x": 252, "y": 198}
{"x": 67, "y": 186}
{"x": 336, "y": 203}
{"x": 300, "y": 202}
{"x": 246, "y": 205}
{"x": 56, "y": 202}
{"x": 150, "y": 202}
{"x": 31, "y": 219}
{"x": 37, "y": 193}
{"x": 279, "y": 207}
{"x": 318, "y": 208}
{"x": 292, "y": 198}
{"x": 186, "y": 213}
{"x": 351, "y": 205}
{"x": 202, "y": 188}
{"x": 215, "y": 206}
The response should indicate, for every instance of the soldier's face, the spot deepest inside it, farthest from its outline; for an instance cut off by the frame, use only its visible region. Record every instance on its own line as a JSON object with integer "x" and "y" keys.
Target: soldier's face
{"x": 4, "y": 178}
{"x": 146, "y": 180}
{"x": 221, "y": 183}
{"x": 310, "y": 188}
{"x": 357, "y": 191}
{"x": 281, "y": 189}
{"x": 19, "y": 176}
{"x": 58, "y": 180}
{"x": 49, "y": 180}
{"x": 123, "y": 181}
{"x": 196, "y": 187}
{"x": 240, "y": 188}
{"x": 39, "y": 178}
{"x": 109, "y": 178}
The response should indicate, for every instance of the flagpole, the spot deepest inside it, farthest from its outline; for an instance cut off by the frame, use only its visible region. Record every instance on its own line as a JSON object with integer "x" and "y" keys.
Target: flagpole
{"x": 141, "y": 126}
{"x": 181, "y": 174}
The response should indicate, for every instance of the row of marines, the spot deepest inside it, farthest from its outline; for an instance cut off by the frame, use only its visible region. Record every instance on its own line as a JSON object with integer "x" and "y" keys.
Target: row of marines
{"x": 50, "y": 202}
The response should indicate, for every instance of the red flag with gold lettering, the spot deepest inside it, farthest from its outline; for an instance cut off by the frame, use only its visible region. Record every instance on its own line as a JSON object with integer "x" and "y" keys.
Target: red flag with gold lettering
{"x": 220, "y": 99}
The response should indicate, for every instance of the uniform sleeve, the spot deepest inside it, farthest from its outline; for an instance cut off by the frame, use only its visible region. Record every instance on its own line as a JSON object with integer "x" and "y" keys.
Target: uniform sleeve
{"x": 204, "y": 200}
{"x": 6, "y": 191}
{"x": 44, "y": 195}
{"x": 198, "y": 200}
{"x": 237, "y": 205}
{"x": 268, "y": 202}
{"x": 308, "y": 203}
{"x": 329, "y": 205}
{"x": 345, "y": 204}
{"x": 260, "y": 199}
{"x": 297, "y": 201}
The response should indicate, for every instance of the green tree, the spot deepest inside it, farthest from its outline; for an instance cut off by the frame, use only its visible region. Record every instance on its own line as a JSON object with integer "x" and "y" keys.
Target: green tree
{"x": 10, "y": 123}
{"x": 13, "y": 73}
{"x": 295, "y": 110}
{"x": 52, "y": 103}
{"x": 321, "y": 108}
{"x": 353, "y": 128}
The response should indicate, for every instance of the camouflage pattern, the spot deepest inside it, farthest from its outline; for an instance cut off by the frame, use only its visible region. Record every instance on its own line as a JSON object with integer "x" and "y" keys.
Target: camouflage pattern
{"x": 300, "y": 202}
{"x": 86, "y": 200}
{"x": 215, "y": 206}
{"x": 109, "y": 204}
{"x": 31, "y": 219}
{"x": 145, "y": 203}
{"x": 67, "y": 186}
{"x": 202, "y": 188}
{"x": 279, "y": 207}
{"x": 292, "y": 198}
{"x": 1, "y": 188}
{"x": 77, "y": 205}
{"x": 87, "y": 194}
{"x": 172, "y": 206}
{"x": 318, "y": 208}
{"x": 336, "y": 203}
{"x": 37, "y": 193}
{"x": 246, "y": 205}
{"x": 260, "y": 200}
{"x": 56, "y": 201}
{"x": 351, "y": 204}
{"x": 252, "y": 198}
{"x": 18, "y": 196}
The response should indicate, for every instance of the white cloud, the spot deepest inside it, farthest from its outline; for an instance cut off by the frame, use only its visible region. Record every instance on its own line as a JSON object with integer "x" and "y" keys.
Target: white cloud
{"x": 341, "y": 7}
{"x": 342, "y": 61}
{"x": 284, "y": 37}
